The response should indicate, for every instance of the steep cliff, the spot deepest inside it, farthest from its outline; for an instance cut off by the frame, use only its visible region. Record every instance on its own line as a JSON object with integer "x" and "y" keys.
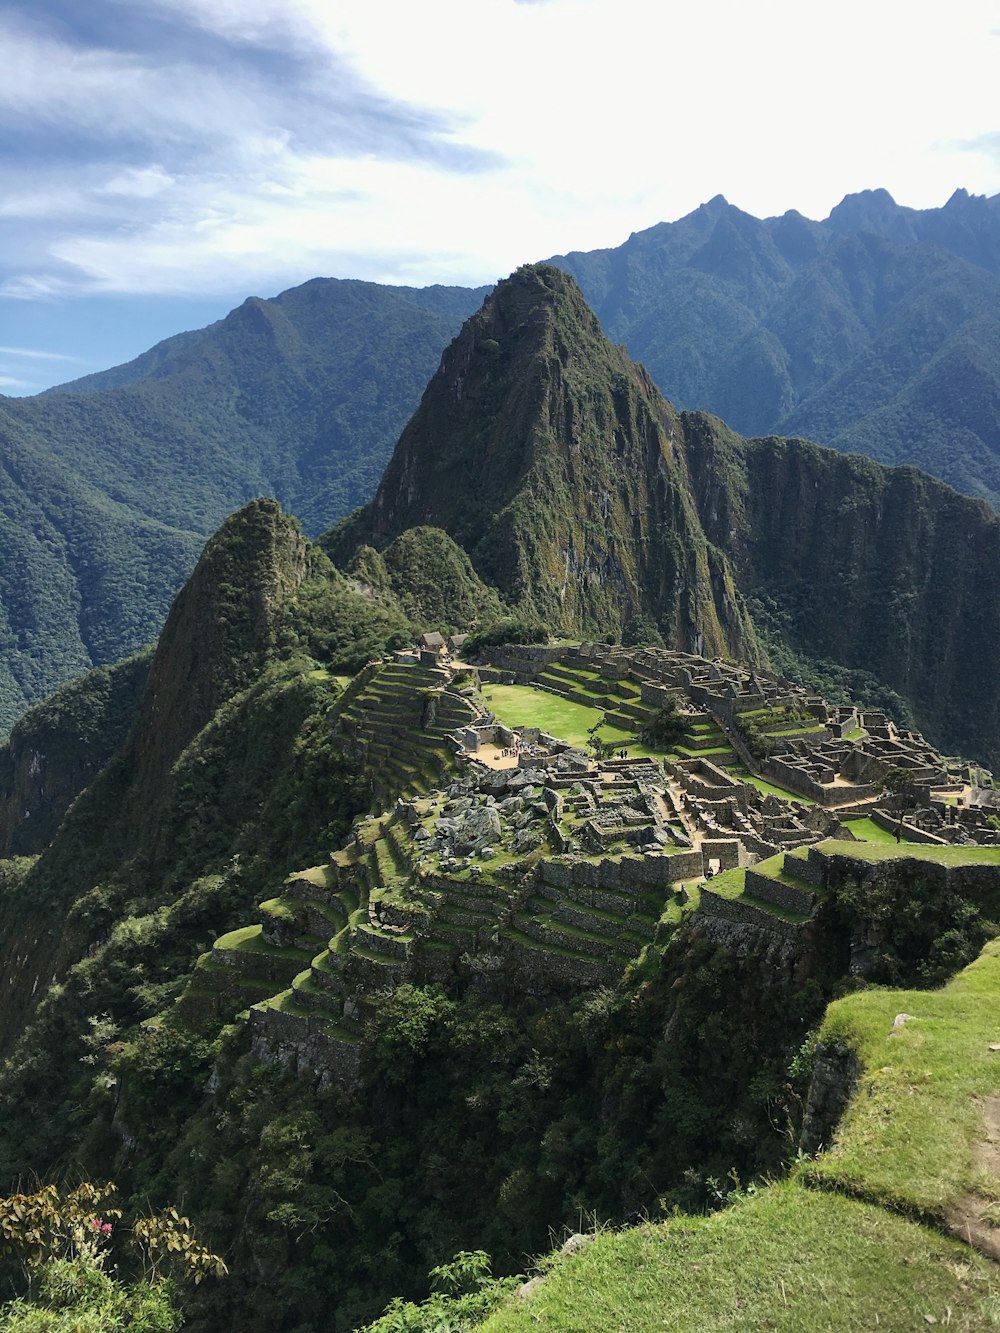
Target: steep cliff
{"x": 885, "y": 570}
{"x": 60, "y": 746}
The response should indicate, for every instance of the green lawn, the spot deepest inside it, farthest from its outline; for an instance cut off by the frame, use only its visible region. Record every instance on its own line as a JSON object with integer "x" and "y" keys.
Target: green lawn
{"x": 772, "y": 789}
{"x": 785, "y": 1258}
{"x": 868, "y": 831}
{"x": 941, "y": 855}
{"x": 524, "y": 706}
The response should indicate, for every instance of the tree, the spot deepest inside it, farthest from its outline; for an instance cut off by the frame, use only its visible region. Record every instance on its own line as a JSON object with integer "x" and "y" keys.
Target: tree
{"x": 897, "y": 788}
{"x": 666, "y": 728}
{"x": 64, "y": 1242}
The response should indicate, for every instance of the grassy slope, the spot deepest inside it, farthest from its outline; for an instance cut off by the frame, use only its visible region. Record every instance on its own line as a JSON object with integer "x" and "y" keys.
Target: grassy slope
{"x": 907, "y": 1136}
{"x": 786, "y": 1258}
{"x": 796, "y": 1257}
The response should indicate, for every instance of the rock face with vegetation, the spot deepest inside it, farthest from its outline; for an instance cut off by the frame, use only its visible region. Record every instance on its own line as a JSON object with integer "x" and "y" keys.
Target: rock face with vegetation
{"x": 549, "y": 456}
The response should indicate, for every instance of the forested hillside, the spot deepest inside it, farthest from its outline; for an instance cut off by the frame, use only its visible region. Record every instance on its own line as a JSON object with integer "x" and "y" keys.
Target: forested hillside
{"x": 110, "y": 486}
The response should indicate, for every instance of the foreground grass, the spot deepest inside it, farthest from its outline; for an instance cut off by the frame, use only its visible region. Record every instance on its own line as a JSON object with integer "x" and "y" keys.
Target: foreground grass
{"x": 839, "y": 1246}
{"x": 908, "y": 1134}
{"x": 787, "y": 1258}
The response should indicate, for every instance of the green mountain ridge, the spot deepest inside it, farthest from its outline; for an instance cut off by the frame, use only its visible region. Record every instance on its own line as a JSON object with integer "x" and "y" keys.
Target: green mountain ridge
{"x": 110, "y": 486}
{"x": 836, "y": 331}
{"x": 874, "y": 331}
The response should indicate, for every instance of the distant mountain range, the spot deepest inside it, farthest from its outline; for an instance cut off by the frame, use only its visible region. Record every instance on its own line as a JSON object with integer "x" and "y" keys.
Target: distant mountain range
{"x": 876, "y": 331}
{"x": 110, "y": 486}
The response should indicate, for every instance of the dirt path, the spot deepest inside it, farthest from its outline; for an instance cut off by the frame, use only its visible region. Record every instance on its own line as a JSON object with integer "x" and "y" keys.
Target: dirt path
{"x": 967, "y": 1218}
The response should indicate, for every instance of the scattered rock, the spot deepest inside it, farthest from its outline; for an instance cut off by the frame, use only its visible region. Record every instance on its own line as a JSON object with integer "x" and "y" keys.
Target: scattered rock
{"x": 575, "y": 1243}
{"x": 526, "y": 1288}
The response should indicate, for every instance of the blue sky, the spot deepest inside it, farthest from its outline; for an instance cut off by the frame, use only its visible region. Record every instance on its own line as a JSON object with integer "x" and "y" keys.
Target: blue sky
{"x": 160, "y": 160}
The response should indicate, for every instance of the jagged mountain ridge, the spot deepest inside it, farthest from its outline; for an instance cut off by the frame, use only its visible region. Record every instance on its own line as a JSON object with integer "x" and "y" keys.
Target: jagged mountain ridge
{"x": 586, "y": 499}
{"x": 872, "y": 331}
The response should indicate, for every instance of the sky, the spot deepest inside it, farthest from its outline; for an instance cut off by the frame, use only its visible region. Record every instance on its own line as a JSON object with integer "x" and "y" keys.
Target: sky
{"x": 161, "y": 160}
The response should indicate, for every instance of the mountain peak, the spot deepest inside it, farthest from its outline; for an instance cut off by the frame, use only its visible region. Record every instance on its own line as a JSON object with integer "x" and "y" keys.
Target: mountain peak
{"x": 856, "y": 212}
{"x": 537, "y": 446}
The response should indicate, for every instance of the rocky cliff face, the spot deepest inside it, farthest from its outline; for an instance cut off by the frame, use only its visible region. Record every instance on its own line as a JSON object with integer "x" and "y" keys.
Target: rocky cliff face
{"x": 549, "y": 455}
{"x": 59, "y": 747}
{"x": 881, "y": 569}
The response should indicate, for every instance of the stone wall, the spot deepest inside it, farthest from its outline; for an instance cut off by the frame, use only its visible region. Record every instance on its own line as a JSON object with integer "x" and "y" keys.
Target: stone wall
{"x": 727, "y": 851}
{"x": 798, "y": 780}
{"x": 652, "y": 870}
{"x": 910, "y": 832}
{"x": 785, "y": 896}
{"x": 305, "y": 1046}
{"x": 745, "y": 914}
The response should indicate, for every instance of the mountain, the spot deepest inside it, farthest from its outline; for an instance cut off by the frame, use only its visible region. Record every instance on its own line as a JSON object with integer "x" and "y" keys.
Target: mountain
{"x": 110, "y": 485}
{"x": 588, "y": 501}
{"x": 550, "y": 457}
{"x": 875, "y": 331}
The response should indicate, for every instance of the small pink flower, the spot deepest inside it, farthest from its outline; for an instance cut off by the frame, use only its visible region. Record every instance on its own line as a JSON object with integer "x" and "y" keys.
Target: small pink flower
{"x": 105, "y": 1228}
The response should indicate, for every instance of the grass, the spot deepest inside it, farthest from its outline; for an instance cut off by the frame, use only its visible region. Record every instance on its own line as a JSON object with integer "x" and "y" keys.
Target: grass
{"x": 868, "y": 831}
{"x": 524, "y": 706}
{"x": 943, "y": 856}
{"x": 249, "y": 939}
{"x": 853, "y": 1253}
{"x": 784, "y": 1259}
{"x": 772, "y": 789}
{"x": 907, "y": 1137}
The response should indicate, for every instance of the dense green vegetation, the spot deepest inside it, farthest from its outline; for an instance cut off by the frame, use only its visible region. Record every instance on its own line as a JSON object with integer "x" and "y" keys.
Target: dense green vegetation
{"x": 486, "y": 1112}
{"x": 488, "y": 1105}
{"x": 110, "y": 486}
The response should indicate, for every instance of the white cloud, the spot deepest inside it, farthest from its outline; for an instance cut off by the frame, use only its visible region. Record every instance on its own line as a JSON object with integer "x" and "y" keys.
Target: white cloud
{"x": 139, "y": 182}
{"x": 589, "y": 120}
{"x": 36, "y": 354}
